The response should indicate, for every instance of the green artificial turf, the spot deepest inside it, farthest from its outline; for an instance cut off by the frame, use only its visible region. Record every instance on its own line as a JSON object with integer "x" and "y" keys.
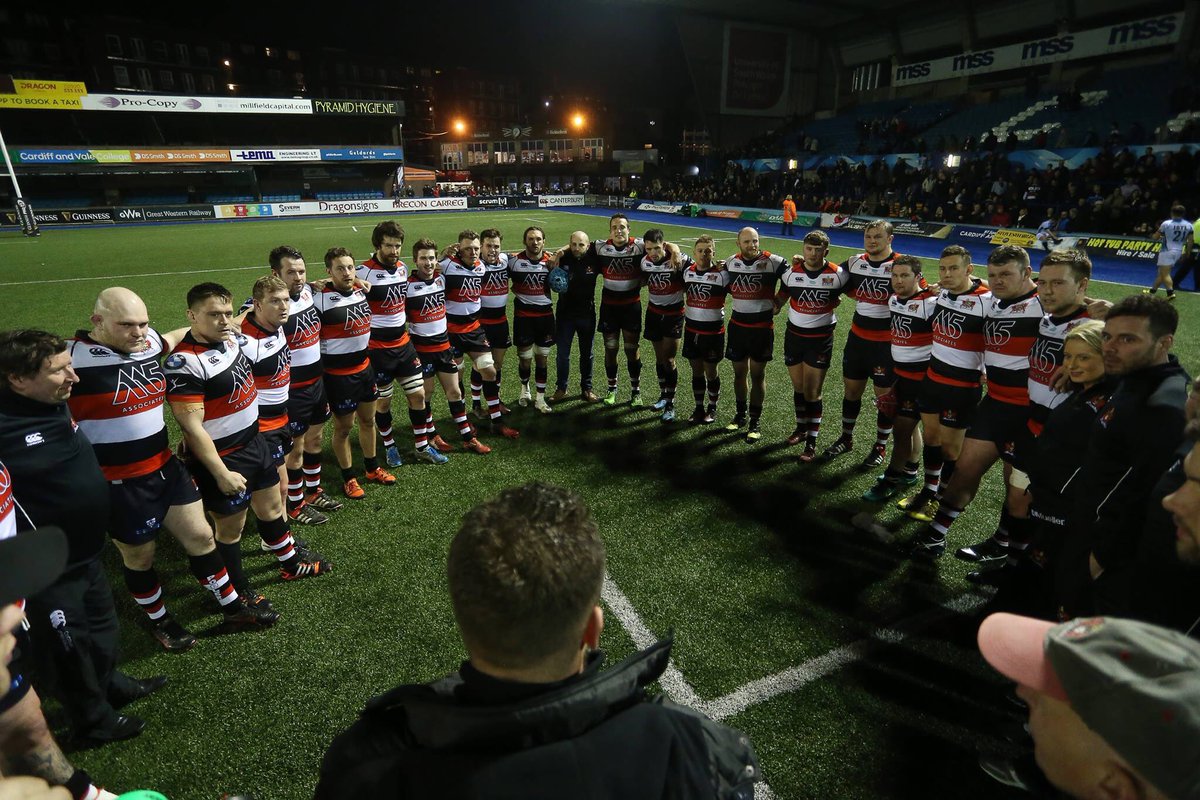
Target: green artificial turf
{"x": 747, "y": 554}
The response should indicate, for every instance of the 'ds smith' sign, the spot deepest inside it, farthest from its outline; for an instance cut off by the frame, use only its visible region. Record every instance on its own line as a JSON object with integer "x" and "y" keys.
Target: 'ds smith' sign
{"x": 1135, "y": 35}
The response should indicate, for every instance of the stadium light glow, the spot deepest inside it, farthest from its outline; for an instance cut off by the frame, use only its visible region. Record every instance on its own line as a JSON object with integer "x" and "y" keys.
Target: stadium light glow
{"x": 578, "y": 120}
{"x": 792, "y": 163}
{"x": 953, "y": 160}
{"x": 226, "y": 62}
{"x": 460, "y": 126}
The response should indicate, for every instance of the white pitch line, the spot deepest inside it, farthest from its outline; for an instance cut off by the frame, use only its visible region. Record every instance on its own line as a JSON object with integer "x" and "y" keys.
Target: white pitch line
{"x": 794, "y": 678}
{"x": 131, "y": 275}
{"x": 672, "y": 681}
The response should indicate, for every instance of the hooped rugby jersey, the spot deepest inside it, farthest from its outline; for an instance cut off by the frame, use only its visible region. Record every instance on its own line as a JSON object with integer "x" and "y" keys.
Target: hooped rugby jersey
{"x": 268, "y": 352}
{"x": 812, "y": 298}
{"x": 665, "y": 284}
{"x": 704, "y": 296}
{"x": 8, "y": 505}
{"x": 426, "y": 302}
{"x": 912, "y": 333}
{"x": 530, "y": 285}
{"x": 1045, "y": 357}
{"x": 464, "y": 290}
{"x": 621, "y": 269}
{"x": 346, "y": 332}
{"x": 221, "y": 377}
{"x": 752, "y": 287}
{"x": 1009, "y": 331}
{"x": 118, "y": 404}
{"x": 387, "y": 303}
{"x": 303, "y": 332}
{"x": 493, "y": 300}
{"x": 870, "y": 286}
{"x": 957, "y": 355}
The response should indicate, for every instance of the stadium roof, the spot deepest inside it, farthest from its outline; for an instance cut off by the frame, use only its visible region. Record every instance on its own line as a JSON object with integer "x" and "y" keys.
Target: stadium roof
{"x": 794, "y": 13}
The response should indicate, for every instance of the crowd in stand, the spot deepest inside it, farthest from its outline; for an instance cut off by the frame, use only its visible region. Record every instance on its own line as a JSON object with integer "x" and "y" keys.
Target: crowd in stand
{"x": 1122, "y": 192}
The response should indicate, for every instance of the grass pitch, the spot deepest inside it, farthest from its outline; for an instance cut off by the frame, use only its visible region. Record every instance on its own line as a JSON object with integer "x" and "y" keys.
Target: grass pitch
{"x": 745, "y": 553}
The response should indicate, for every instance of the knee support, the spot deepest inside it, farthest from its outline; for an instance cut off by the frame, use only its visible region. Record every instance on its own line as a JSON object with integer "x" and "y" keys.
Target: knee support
{"x": 542, "y": 350}
{"x": 612, "y": 343}
{"x": 385, "y": 392}
{"x": 483, "y": 361}
{"x": 525, "y": 352}
{"x": 412, "y": 384}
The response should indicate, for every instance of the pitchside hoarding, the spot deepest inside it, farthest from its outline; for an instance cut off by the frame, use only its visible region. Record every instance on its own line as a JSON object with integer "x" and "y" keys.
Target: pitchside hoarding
{"x": 337, "y": 207}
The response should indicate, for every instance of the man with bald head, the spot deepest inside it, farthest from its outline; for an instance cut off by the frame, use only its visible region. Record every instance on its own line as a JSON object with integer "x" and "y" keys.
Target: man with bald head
{"x": 576, "y": 316}
{"x": 753, "y": 276}
{"x": 118, "y": 404}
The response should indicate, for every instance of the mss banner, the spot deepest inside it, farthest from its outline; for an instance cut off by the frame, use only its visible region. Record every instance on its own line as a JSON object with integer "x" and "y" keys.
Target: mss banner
{"x": 756, "y": 70}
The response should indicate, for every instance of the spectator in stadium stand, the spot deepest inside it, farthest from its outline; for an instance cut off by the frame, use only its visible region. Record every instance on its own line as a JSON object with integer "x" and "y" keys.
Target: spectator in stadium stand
{"x": 73, "y": 621}
{"x": 32, "y": 561}
{"x": 1133, "y": 442}
{"x": 575, "y": 316}
{"x": 1112, "y": 702}
{"x": 789, "y": 216}
{"x": 530, "y": 713}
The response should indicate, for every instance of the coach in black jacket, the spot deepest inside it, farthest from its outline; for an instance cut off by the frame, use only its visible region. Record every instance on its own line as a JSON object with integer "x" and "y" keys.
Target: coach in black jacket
{"x": 1133, "y": 441}
{"x": 531, "y": 715}
{"x": 57, "y": 481}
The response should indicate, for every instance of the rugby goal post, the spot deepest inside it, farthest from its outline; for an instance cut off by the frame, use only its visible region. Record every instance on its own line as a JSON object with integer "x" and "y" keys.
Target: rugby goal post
{"x": 25, "y": 213}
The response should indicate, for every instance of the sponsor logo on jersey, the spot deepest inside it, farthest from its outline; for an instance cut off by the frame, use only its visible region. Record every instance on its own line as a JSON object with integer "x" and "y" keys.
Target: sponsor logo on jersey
{"x": 243, "y": 382}
{"x": 137, "y": 383}
{"x": 358, "y": 317}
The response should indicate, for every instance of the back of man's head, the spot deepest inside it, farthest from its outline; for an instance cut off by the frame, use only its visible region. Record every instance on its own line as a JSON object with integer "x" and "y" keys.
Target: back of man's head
{"x": 525, "y": 570}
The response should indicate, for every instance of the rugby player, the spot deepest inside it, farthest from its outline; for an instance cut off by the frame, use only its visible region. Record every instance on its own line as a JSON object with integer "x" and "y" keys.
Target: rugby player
{"x": 664, "y": 316}
{"x": 349, "y": 376}
{"x": 426, "y": 310}
{"x": 753, "y": 274}
{"x": 1012, "y": 314}
{"x": 705, "y": 287}
{"x": 912, "y": 306}
{"x": 392, "y": 354}
{"x": 950, "y": 392}
{"x": 1176, "y": 235}
{"x": 308, "y": 408}
{"x": 118, "y": 404}
{"x": 617, "y": 260}
{"x": 210, "y": 388}
{"x": 811, "y": 289}
{"x": 493, "y": 311}
{"x": 533, "y": 329}
{"x": 868, "y": 351}
{"x": 464, "y": 274}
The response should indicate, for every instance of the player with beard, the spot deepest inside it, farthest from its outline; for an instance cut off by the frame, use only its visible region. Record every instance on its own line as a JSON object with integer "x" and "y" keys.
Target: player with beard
{"x": 118, "y": 406}
{"x": 426, "y": 309}
{"x": 210, "y": 387}
{"x": 753, "y": 274}
{"x": 705, "y": 287}
{"x": 868, "y": 350}
{"x": 392, "y": 354}
{"x": 464, "y": 274}
{"x": 810, "y": 290}
{"x": 617, "y": 260}
{"x": 349, "y": 376}
{"x": 533, "y": 329}
{"x": 493, "y": 309}
{"x": 308, "y": 407}
{"x": 664, "y": 316}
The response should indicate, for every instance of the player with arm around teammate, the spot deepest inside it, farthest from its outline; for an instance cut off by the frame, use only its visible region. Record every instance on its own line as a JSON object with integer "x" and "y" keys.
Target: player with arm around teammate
{"x": 705, "y": 287}
{"x": 664, "y": 315}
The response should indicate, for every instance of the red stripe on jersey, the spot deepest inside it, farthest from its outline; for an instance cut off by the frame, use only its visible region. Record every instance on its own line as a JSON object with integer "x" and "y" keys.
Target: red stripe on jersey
{"x": 137, "y": 468}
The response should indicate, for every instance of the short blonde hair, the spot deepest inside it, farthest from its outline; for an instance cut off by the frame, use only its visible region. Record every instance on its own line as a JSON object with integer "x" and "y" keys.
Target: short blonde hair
{"x": 268, "y": 284}
{"x": 1087, "y": 332}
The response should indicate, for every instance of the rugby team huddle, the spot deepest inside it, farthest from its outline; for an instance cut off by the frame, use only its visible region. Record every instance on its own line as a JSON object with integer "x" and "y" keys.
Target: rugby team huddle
{"x": 252, "y": 392}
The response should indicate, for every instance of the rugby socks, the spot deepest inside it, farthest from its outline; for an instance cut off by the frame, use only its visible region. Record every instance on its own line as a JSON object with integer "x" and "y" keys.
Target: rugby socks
{"x": 883, "y": 428}
{"x": 698, "y": 391}
{"x": 348, "y": 473}
{"x": 295, "y": 489}
{"x": 146, "y": 590}
{"x": 430, "y": 428}
{"x": 210, "y": 571}
{"x": 370, "y": 464}
{"x": 816, "y": 410}
{"x": 231, "y": 556}
{"x": 524, "y": 370}
{"x": 278, "y": 537}
{"x": 80, "y": 786}
{"x": 1020, "y": 530}
{"x": 800, "y": 405}
{"x": 741, "y": 407}
{"x": 671, "y": 384}
{"x": 476, "y": 387}
{"x": 755, "y": 414}
{"x": 491, "y": 392}
{"x": 416, "y": 417}
{"x": 610, "y": 371}
{"x": 948, "y": 465}
{"x": 946, "y": 514}
{"x": 383, "y": 421}
{"x": 541, "y": 373}
{"x": 458, "y": 410}
{"x": 911, "y": 468}
{"x": 714, "y": 391}
{"x": 312, "y": 472}
{"x": 1004, "y": 528}
{"x": 931, "y": 455}
{"x": 850, "y": 409}
{"x": 635, "y": 372}
{"x": 661, "y": 370}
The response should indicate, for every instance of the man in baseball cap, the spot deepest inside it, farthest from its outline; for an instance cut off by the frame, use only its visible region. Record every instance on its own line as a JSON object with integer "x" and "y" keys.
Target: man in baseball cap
{"x": 1114, "y": 704}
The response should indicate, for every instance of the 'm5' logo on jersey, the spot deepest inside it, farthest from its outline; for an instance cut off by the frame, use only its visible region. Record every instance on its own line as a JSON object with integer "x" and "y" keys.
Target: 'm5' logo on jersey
{"x": 358, "y": 318}
{"x": 393, "y": 298}
{"x": 741, "y": 284}
{"x": 874, "y": 289}
{"x": 243, "y": 382}
{"x": 660, "y": 281}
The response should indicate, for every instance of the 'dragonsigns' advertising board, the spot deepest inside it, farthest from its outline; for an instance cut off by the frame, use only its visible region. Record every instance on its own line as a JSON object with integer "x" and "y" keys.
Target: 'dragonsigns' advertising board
{"x": 331, "y": 207}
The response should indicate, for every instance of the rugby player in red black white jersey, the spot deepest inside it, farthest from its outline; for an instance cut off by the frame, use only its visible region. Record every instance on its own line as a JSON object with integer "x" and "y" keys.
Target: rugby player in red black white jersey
{"x": 533, "y": 328}
{"x": 664, "y": 315}
{"x": 868, "y": 351}
{"x": 210, "y": 387}
{"x": 118, "y": 403}
{"x": 705, "y": 287}
{"x": 493, "y": 310}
